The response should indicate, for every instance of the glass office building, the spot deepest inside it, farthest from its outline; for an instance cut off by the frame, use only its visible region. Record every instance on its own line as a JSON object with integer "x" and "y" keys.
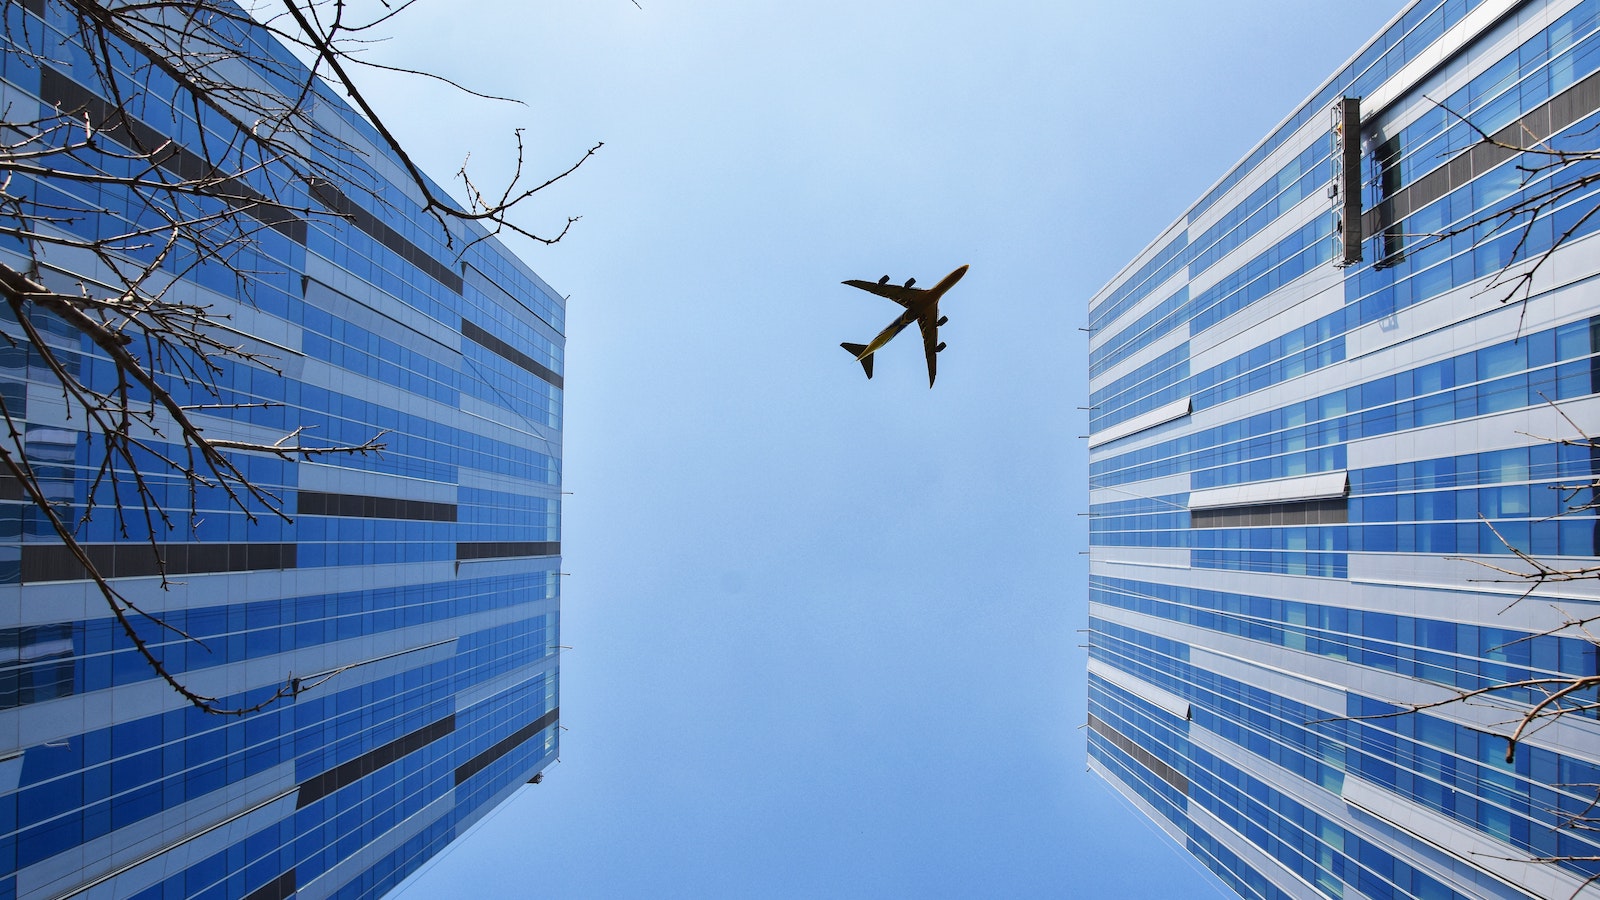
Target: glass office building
{"x": 1309, "y": 406}
{"x": 414, "y": 593}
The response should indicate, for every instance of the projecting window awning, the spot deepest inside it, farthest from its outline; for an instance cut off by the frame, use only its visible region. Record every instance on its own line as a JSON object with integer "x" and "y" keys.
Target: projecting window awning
{"x": 1157, "y": 697}
{"x": 1322, "y": 486}
{"x": 1161, "y": 415}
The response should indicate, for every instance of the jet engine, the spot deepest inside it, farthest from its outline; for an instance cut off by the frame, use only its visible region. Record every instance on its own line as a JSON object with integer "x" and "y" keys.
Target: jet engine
{"x": 910, "y": 282}
{"x": 942, "y": 320}
{"x": 883, "y": 280}
{"x": 940, "y": 348}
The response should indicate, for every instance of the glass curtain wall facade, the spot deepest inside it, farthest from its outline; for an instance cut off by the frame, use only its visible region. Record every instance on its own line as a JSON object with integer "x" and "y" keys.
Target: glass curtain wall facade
{"x": 414, "y": 592}
{"x": 1293, "y": 461}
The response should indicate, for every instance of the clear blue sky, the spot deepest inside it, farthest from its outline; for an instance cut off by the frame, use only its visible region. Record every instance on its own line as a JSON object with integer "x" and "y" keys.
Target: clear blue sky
{"x": 825, "y": 631}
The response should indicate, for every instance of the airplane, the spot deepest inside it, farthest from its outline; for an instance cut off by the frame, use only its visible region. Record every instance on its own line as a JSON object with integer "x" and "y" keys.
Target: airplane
{"x": 922, "y": 307}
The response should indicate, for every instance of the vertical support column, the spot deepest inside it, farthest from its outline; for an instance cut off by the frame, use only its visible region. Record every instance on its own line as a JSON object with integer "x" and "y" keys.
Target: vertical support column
{"x": 1345, "y": 191}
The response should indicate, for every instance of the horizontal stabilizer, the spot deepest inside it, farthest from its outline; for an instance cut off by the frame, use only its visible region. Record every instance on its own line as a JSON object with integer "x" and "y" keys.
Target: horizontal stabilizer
{"x": 856, "y": 350}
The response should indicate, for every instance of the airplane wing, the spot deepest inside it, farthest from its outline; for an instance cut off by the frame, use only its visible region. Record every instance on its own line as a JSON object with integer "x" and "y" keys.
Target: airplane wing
{"x": 898, "y": 293}
{"x": 930, "y": 342}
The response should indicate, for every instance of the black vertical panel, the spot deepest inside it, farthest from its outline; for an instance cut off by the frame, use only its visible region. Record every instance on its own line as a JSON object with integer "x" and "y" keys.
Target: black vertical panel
{"x": 1144, "y": 757}
{"x": 113, "y": 122}
{"x": 1347, "y": 180}
{"x": 356, "y": 769}
{"x": 483, "y": 338}
{"x": 54, "y": 562}
{"x": 521, "y": 736}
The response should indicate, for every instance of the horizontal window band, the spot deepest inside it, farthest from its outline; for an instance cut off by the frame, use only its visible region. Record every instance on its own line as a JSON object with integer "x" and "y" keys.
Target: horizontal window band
{"x": 375, "y": 228}
{"x": 86, "y": 887}
{"x": 1144, "y": 757}
{"x": 54, "y": 562}
{"x": 1462, "y": 842}
{"x": 1571, "y": 105}
{"x": 522, "y": 735}
{"x": 1305, "y": 512}
{"x": 356, "y": 769}
{"x": 479, "y": 336}
{"x": 280, "y": 888}
{"x": 500, "y": 549}
{"x": 362, "y": 506}
{"x": 71, "y": 98}
{"x": 1321, "y": 486}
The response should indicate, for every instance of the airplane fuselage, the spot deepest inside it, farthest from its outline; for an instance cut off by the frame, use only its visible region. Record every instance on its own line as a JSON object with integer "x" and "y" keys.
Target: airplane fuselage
{"x": 921, "y": 305}
{"x": 925, "y": 306}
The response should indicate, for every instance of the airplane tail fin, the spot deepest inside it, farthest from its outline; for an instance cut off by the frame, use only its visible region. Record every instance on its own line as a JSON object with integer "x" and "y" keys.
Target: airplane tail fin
{"x": 856, "y": 351}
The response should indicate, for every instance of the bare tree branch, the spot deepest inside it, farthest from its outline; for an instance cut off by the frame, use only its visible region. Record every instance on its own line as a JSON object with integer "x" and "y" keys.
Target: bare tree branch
{"x": 82, "y": 280}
